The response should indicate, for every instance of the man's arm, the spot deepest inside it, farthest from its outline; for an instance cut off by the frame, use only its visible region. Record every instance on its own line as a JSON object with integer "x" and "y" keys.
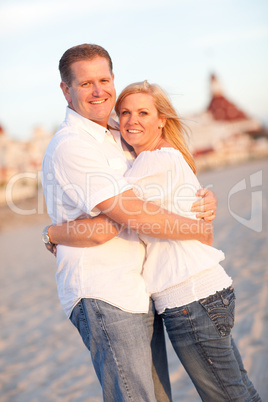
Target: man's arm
{"x": 88, "y": 232}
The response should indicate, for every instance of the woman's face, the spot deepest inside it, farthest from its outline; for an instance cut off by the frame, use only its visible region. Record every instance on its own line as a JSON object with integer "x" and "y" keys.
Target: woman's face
{"x": 139, "y": 122}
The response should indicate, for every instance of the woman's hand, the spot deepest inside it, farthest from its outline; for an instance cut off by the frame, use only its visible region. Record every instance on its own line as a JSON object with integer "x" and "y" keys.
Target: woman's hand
{"x": 206, "y": 206}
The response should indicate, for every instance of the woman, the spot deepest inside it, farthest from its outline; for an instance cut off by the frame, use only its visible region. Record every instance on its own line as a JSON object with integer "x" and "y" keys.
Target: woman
{"x": 191, "y": 290}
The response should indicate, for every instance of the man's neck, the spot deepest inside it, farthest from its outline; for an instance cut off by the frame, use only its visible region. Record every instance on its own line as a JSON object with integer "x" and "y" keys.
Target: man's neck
{"x": 105, "y": 124}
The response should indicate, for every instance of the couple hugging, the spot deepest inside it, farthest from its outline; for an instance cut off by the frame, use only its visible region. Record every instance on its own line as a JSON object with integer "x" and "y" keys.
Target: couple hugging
{"x": 134, "y": 236}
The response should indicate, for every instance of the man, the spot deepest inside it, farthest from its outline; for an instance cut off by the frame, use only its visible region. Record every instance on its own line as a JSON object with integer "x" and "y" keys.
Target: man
{"x": 101, "y": 288}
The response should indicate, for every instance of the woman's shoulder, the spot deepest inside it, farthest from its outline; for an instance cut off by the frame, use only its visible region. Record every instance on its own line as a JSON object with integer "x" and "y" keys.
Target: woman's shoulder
{"x": 162, "y": 153}
{"x": 165, "y": 155}
{"x": 156, "y": 162}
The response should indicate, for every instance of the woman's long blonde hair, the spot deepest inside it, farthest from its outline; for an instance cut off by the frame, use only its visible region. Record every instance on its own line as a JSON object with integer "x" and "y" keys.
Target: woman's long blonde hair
{"x": 174, "y": 131}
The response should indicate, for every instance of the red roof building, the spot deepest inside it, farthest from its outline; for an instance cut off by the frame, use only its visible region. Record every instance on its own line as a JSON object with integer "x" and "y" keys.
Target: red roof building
{"x": 220, "y": 107}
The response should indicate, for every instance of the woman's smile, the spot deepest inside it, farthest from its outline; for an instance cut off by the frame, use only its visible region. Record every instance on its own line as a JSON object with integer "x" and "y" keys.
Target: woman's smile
{"x": 139, "y": 122}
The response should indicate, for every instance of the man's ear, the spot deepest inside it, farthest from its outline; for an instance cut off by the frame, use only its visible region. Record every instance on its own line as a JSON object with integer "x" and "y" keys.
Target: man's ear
{"x": 66, "y": 91}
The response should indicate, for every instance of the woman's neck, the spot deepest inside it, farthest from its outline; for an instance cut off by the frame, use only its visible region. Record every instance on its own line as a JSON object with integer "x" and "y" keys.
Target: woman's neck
{"x": 152, "y": 147}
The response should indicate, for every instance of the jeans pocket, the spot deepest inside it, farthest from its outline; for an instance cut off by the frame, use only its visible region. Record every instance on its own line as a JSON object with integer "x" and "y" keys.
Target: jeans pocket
{"x": 173, "y": 312}
{"x": 221, "y": 310}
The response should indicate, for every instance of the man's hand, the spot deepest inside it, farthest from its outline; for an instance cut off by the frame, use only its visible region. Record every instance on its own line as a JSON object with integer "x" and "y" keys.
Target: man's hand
{"x": 206, "y": 207}
{"x": 52, "y": 248}
{"x": 208, "y": 234}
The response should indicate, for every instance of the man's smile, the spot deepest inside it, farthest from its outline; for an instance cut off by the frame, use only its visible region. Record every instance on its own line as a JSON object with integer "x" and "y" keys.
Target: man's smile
{"x": 97, "y": 102}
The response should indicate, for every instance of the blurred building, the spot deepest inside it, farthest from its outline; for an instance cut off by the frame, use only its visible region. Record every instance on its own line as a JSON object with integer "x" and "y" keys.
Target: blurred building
{"x": 223, "y": 133}
{"x": 20, "y": 163}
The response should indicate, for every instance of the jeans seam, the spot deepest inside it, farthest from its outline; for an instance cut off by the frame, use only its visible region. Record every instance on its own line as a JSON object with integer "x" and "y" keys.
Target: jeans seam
{"x": 84, "y": 317}
{"x": 98, "y": 312}
{"x": 207, "y": 357}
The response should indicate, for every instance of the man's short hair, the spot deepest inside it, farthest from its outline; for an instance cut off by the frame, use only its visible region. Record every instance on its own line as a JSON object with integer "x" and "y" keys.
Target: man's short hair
{"x": 78, "y": 53}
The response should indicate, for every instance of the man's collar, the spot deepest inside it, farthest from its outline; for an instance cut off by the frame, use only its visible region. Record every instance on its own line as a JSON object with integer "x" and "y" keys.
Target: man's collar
{"x": 113, "y": 124}
{"x": 94, "y": 129}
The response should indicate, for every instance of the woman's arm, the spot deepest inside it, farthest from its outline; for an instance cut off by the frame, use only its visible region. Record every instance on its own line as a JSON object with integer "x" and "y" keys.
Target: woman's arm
{"x": 87, "y": 232}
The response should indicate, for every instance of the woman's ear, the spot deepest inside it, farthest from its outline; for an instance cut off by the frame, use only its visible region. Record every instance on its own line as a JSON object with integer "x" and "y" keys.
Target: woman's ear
{"x": 161, "y": 123}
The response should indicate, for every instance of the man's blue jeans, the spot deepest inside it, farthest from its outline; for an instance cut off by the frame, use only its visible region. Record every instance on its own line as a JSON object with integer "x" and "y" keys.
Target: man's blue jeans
{"x": 200, "y": 333}
{"x": 127, "y": 350}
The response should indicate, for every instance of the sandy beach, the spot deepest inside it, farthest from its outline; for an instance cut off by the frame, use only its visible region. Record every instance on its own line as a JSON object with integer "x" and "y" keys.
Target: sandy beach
{"x": 42, "y": 357}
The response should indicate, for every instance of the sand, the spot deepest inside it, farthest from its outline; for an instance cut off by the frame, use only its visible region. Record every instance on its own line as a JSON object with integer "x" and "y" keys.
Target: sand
{"x": 41, "y": 355}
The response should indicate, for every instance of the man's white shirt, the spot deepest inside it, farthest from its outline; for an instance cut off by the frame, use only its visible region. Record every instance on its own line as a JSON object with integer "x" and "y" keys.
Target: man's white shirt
{"x": 84, "y": 165}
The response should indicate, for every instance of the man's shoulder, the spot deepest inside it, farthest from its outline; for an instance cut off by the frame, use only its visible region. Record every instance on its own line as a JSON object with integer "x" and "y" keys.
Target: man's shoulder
{"x": 67, "y": 138}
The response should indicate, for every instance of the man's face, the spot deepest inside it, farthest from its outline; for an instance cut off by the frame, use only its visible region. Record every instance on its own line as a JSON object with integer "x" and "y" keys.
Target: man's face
{"x": 92, "y": 93}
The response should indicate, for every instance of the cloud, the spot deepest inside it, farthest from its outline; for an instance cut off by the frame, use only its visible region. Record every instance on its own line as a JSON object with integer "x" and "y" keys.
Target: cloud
{"x": 228, "y": 37}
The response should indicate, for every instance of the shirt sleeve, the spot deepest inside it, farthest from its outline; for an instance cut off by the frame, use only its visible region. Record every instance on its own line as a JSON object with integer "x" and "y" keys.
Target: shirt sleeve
{"x": 84, "y": 177}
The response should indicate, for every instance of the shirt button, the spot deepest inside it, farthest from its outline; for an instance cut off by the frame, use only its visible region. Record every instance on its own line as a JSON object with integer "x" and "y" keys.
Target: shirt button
{"x": 225, "y": 301}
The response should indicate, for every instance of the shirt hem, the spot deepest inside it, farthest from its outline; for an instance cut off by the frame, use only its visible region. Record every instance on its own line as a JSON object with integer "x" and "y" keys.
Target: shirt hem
{"x": 68, "y": 314}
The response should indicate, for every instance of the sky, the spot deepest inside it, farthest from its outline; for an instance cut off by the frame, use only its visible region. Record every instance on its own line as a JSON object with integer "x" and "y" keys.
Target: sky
{"x": 174, "y": 43}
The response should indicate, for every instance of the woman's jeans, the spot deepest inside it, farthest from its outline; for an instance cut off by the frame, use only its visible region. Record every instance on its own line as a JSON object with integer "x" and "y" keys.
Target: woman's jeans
{"x": 127, "y": 350}
{"x": 200, "y": 333}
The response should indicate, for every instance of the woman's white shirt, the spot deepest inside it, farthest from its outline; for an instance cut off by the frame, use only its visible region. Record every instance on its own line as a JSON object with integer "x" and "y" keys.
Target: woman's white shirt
{"x": 164, "y": 177}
